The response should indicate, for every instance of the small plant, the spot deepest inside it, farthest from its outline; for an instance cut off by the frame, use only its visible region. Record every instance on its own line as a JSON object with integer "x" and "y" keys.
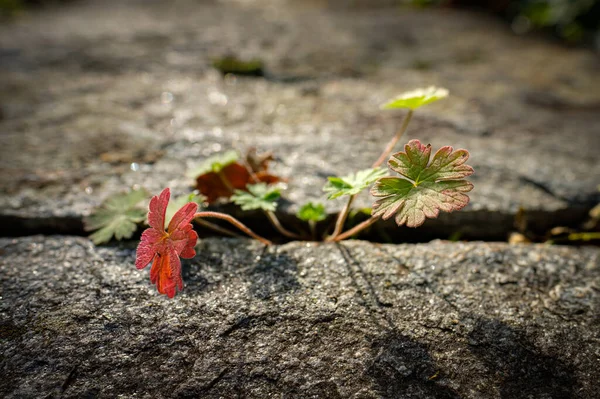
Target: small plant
{"x": 422, "y": 187}
{"x": 312, "y": 213}
{"x": 117, "y": 217}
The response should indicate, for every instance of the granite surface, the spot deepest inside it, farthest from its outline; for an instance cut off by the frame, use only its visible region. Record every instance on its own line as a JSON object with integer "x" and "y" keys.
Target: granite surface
{"x": 302, "y": 320}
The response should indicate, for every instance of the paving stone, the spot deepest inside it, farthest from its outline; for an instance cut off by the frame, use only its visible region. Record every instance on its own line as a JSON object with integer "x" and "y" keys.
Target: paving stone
{"x": 354, "y": 320}
{"x": 99, "y": 97}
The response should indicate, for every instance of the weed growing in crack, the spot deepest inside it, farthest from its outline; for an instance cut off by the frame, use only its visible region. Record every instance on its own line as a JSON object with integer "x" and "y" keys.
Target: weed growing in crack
{"x": 423, "y": 186}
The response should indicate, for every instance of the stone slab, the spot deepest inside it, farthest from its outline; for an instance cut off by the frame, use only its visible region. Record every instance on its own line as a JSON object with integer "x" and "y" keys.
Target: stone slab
{"x": 302, "y": 320}
{"x": 98, "y": 97}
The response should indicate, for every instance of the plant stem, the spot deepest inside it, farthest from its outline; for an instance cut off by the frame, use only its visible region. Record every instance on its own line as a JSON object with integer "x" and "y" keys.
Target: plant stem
{"x": 339, "y": 224}
{"x": 386, "y": 153}
{"x": 355, "y": 229}
{"x": 217, "y": 228}
{"x": 313, "y": 229}
{"x": 390, "y": 146}
{"x": 277, "y": 224}
{"x": 233, "y": 221}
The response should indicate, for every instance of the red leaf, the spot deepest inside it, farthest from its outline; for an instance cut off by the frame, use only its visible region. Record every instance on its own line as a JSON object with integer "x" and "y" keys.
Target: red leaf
{"x": 232, "y": 177}
{"x": 213, "y": 186}
{"x": 164, "y": 247}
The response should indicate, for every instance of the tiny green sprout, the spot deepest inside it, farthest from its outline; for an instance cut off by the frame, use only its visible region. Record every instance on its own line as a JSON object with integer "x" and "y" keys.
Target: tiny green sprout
{"x": 258, "y": 196}
{"x": 215, "y": 163}
{"x": 353, "y": 183}
{"x": 416, "y": 98}
{"x": 310, "y": 212}
{"x": 117, "y": 217}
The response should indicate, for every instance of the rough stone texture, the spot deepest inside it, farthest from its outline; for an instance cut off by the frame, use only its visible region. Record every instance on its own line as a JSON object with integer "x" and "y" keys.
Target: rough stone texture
{"x": 303, "y": 320}
{"x": 89, "y": 90}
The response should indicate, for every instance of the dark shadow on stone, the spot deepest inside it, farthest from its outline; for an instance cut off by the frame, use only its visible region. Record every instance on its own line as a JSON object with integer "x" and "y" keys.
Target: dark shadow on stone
{"x": 268, "y": 273}
{"x": 213, "y": 264}
{"x": 517, "y": 368}
{"x": 193, "y": 277}
{"x": 351, "y": 260}
{"x": 273, "y": 274}
{"x": 379, "y": 305}
{"x": 15, "y": 226}
{"x": 323, "y": 389}
{"x": 403, "y": 368}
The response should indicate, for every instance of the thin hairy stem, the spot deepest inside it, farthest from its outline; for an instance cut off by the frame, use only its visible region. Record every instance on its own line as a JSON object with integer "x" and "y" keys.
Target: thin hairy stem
{"x": 233, "y": 221}
{"x": 217, "y": 228}
{"x": 277, "y": 224}
{"x": 390, "y": 146}
{"x": 356, "y": 229}
{"x": 339, "y": 224}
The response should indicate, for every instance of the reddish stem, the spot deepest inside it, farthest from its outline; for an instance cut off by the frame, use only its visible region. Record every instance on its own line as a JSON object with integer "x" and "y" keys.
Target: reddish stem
{"x": 343, "y": 215}
{"x": 233, "y": 221}
{"x": 277, "y": 224}
{"x": 386, "y": 153}
{"x": 390, "y": 146}
{"x": 355, "y": 229}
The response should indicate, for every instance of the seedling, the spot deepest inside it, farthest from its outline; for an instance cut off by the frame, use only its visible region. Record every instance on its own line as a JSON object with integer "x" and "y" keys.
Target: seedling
{"x": 421, "y": 187}
{"x": 262, "y": 196}
{"x": 117, "y": 217}
{"x": 312, "y": 213}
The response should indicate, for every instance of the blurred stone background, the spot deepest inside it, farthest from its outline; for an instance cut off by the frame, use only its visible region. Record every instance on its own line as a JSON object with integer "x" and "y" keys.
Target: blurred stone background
{"x": 97, "y": 97}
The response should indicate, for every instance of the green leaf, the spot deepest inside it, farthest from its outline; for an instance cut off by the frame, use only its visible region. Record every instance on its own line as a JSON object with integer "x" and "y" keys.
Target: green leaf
{"x": 215, "y": 163}
{"x": 232, "y": 64}
{"x": 416, "y": 98}
{"x": 259, "y": 196}
{"x": 426, "y": 186}
{"x": 117, "y": 217}
{"x": 311, "y": 212}
{"x": 353, "y": 183}
{"x": 179, "y": 202}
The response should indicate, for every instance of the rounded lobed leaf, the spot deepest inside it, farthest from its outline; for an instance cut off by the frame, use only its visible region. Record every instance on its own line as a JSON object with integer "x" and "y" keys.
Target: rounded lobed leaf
{"x": 426, "y": 187}
{"x": 353, "y": 183}
{"x": 416, "y": 98}
{"x": 258, "y": 196}
{"x": 117, "y": 217}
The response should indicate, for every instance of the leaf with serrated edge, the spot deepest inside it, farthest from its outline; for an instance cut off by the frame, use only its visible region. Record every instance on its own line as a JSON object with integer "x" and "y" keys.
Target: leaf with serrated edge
{"x": 259, "y": 196}
{"x": 416, "y": 98}
{"x": 312, "y": 212}
{"x": 427, "y": 186}
{"x": 117, "y": 217}
{"x": 353, "y": 183}
{"x": 178, "y": 202}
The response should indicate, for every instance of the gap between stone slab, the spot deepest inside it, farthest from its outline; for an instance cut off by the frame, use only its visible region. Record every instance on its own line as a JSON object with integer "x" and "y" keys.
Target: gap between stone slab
{"x": 483, "y": 225}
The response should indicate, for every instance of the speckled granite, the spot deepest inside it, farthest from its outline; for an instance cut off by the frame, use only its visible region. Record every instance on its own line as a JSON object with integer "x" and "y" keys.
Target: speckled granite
{"x": 302, "y": 320}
